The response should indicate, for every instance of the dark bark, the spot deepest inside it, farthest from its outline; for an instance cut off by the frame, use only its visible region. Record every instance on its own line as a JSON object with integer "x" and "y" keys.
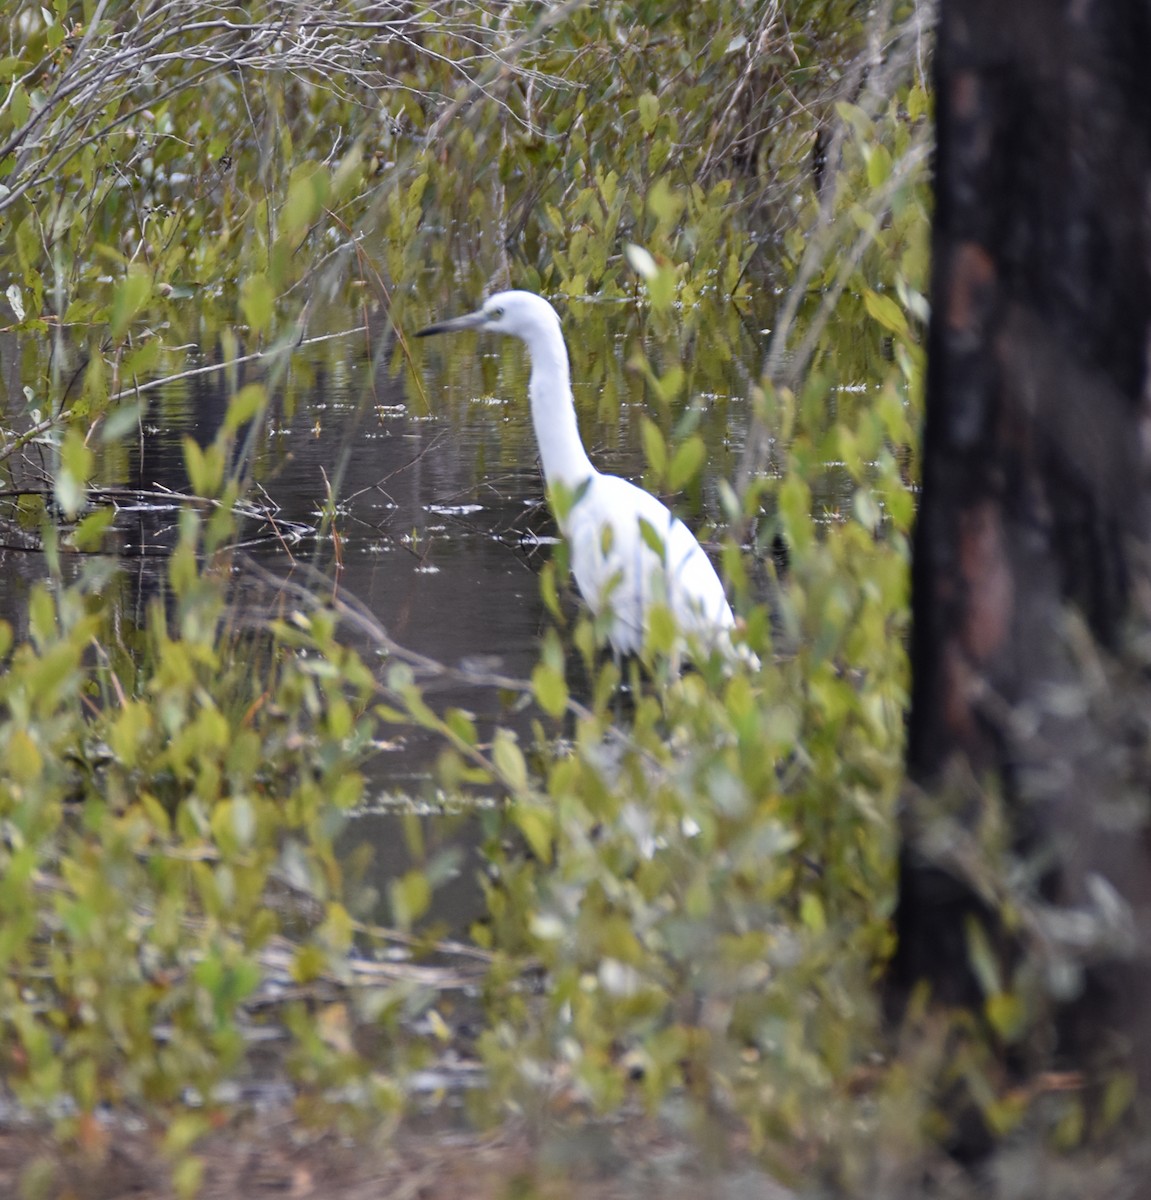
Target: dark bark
{"x": 1031, "y": 650}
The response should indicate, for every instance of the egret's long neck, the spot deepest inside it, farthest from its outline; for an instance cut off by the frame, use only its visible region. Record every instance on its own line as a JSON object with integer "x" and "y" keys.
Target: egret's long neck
{"x": 553, "y": 411}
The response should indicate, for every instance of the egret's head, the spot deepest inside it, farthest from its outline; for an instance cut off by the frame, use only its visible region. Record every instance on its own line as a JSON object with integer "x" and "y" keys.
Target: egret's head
{"x": 522, "y": 314}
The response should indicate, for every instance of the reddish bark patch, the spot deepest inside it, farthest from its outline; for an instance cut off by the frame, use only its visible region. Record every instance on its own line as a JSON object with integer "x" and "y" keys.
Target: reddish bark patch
{"x": 990, "y": 588}
{"x": 972, "y": 274}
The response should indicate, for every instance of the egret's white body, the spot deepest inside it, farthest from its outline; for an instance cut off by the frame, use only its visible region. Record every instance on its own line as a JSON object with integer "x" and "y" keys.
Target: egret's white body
{"x": 616, "y": 567}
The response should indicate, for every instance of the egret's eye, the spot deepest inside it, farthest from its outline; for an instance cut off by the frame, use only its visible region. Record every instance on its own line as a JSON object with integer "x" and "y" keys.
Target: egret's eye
{"x": 495, "y": 313}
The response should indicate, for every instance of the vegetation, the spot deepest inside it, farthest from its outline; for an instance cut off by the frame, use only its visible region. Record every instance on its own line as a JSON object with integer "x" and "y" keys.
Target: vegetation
{"x": 702, "y": 885}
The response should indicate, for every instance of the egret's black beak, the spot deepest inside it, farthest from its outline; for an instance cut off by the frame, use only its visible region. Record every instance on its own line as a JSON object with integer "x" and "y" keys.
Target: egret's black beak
{"x": 471, "y": 321}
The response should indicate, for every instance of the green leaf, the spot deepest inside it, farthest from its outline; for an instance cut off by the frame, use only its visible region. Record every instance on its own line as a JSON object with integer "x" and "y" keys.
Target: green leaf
{"x": 132, "y": 294}
{"x": 28, "y": 247}
{"x": 188, "y": 1176}
{"x": 865, "y": 220}
{"x": 648, "y": 111}
{"x": 811, "y": 913}
{"x": 257, "y": 302}
{"x": 88, "y": 536}
{"x": 19, "y": 105}
{"x": 42, "y": 621}
{"x": 550, "y": 690}
{"x": 306, "y": 195}
{"x": 886, "y": 311}
{"x": 538, "y": 826}
{"x": 563, "y": 499}
{"x": 309, "y": 963}
{"x": 22, "y": 759}
{"x": 205, "y": 467}
{"x": 462, "y": 725}
{"x": 338, "y": 928}
{"x": 916, "y": 102}
{"x": 221, "y": 525}
{"x": 245, "y": 405}
{"x": 509, "y": 761}
{"x": 686, "y": 462}
{"x": 671, "y": 383}
{"x": 1006, "y": 1014}
{"x": 184, "y": 1131}
{"x": 11, "y": 67}
{"x": 410, "y": 895}
{"x": 661, "y": 288}
{"x": 664, "y": 203}
{"x": 133, "y": 724}
{"x": 652, "y": 538}
{"x": 142, "y": 360}
{"x": 662, "y": 631}
{"x": 860, "y": 123}
{"x": 795, "y": 512}
{"x": 348, "y": 791}
{"x": 550, "y": 591}
{"x": 655, "y": 449}
{"x": 878, "y": 165}
{"x": 1119, "y": 1095}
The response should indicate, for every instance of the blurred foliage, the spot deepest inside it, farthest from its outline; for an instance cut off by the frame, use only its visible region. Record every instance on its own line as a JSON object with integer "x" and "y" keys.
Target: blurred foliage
{"x": 158, "y": 783}
{"x": 704, "y": 878}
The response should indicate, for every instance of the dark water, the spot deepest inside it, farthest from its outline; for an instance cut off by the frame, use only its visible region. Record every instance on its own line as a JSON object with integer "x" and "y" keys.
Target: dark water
{"x": 441, "y": 525}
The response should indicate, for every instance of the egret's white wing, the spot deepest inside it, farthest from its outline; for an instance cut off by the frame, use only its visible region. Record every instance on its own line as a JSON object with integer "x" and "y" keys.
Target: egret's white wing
{"x": 618, "y": 570}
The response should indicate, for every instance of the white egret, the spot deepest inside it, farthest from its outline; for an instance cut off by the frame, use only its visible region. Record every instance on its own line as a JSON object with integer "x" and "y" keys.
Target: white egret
{"x": 628, "y": 551}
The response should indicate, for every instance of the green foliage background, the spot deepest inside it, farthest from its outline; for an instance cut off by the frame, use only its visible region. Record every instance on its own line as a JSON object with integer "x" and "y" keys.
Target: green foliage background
{"x": 705, "y": 885}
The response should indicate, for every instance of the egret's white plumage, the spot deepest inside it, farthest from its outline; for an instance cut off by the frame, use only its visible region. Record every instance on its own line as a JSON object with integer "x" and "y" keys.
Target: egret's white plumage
{"x": 616, "y": 566}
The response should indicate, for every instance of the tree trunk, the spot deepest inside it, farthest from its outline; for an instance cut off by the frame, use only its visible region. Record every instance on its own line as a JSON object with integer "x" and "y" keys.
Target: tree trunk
{"x": 1030, "y": 729}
